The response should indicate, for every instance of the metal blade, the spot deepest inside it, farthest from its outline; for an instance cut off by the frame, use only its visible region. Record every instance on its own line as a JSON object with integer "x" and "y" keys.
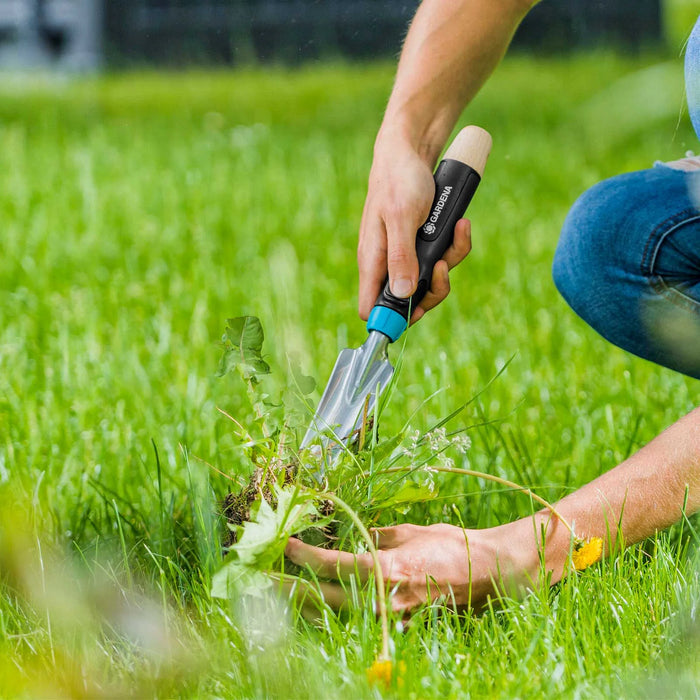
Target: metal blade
{"x": 357, "y": 374}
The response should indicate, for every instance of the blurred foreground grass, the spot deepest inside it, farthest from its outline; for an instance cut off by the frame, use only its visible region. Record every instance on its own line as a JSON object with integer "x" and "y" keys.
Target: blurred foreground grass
{"x": 139, "y": 211}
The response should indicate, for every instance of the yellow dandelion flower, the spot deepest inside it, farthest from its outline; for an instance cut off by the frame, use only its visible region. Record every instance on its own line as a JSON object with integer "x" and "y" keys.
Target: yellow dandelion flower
{"x": 382, "y": 671}
{"x": 379, "y": 673}
{"x": 586, "y": 552}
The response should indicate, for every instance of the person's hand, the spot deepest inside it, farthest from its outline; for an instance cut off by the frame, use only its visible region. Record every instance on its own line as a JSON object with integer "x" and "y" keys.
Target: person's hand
{"x": 400, "y": 192}
{"x": 422, "y": 564}
{"x": 690, "y": 163}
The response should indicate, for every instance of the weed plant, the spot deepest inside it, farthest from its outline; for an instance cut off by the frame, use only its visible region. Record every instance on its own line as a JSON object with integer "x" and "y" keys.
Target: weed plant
{"x": 138, "y": 211}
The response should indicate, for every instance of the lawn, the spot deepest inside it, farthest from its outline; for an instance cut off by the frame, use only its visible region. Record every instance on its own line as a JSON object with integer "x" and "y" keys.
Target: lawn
{"x": 139, "y": 211}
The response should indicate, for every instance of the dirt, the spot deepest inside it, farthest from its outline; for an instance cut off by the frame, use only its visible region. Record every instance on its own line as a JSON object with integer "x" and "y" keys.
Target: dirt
{"x": 235, "y": 507}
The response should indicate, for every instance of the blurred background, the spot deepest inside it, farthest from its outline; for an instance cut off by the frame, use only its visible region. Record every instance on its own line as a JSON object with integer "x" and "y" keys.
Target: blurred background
{"x": 89, "y": 34}
{"x": 167, "y": 164}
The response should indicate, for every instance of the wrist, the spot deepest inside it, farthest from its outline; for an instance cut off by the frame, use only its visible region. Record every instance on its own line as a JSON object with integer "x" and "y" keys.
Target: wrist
{"x": 425, "y": 139}
{"x": 542, "y": 541}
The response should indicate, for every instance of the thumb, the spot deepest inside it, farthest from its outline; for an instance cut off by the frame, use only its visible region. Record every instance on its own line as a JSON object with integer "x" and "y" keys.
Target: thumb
{"x": 402, "y": 262}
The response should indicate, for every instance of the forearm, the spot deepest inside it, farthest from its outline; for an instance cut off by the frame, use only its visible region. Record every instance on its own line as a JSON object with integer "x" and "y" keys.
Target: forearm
{"x": 644, "y": 494}
{"x": 449, "y": 52}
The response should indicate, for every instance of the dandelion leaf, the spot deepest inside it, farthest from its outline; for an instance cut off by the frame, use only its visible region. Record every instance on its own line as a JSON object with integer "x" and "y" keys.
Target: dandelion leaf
{"x": 302, "y": 383}
{"x": 385, "y": 448}
{"x": 264, "y": 538}
{"x": 243, "y": 341}
{"x": 259, "y": 537}
{"x": 403, "y": 497}
{"x": 296, "y": 407}
{"x": 230, "y": 580}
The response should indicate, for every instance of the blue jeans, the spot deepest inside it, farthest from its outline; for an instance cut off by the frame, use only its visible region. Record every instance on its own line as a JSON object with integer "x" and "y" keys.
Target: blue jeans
{"x": 628, "y": 263}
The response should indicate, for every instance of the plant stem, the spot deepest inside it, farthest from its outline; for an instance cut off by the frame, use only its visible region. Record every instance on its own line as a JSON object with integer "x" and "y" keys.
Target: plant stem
{"x": 244, "y": 432}
{"x": 378, "y": 574}
{"x": 498, "y": 480}
{"x": 256, "y": 404}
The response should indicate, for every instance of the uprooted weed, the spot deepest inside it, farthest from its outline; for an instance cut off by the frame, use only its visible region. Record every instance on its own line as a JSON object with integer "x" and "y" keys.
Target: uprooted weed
{"x": 235, "y": 508}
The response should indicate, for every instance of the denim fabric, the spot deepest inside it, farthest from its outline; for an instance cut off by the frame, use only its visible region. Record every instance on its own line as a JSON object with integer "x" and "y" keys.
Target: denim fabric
{"x": 628, "y": 263}
{"x": 628, "y": 260}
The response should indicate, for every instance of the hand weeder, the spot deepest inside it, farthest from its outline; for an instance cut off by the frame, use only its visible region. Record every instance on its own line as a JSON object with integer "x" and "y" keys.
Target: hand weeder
{"x": 360, "y": 375}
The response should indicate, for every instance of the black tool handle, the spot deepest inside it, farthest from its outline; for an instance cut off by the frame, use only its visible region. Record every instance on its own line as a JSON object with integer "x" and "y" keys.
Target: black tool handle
{"x": 456, "y": 180}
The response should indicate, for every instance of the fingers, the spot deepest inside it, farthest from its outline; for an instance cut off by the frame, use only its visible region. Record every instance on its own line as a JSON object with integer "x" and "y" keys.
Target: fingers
{"x": 371, "y": 262}
{"x": 461, "y": 244}
{"x": 400, "y": 191}
{"x": 401, "y": 253}
{"x": 439, "y": 289}
{"x": 312, "y": 596}
{"x": 440, "y": 282}
{"x": 329, "y": 563}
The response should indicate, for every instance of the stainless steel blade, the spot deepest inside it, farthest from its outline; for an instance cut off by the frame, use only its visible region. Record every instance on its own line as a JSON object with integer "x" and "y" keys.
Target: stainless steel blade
{"x": 357, "y": 374}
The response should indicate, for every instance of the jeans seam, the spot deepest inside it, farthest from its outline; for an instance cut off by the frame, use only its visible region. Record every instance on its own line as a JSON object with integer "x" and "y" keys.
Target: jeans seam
{"x": 675, "y": 296}
{"x": 651, "y": 250}
{"x": 654, "y": 241}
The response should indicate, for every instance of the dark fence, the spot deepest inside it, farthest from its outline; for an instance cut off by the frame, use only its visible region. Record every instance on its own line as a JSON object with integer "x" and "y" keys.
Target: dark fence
{"x": 560, "y": 25}
{"x": 85, "y": 33}
{"x": 238, "y": 31}
{"x": 248, "y": 30}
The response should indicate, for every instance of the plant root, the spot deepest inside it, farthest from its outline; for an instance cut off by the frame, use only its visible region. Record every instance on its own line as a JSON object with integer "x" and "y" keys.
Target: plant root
{"x": 235, "y": 507}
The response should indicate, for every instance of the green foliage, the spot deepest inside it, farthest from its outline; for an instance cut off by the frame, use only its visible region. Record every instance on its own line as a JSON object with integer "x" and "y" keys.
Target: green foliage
{"x": 136, "y": 211}
{"x": 262, "y": 541}
{"x": 402, "y": 496}
{"x": 679, "y": 18}
{"x": 286, "y": 493}
{"x": 243, "y": 341}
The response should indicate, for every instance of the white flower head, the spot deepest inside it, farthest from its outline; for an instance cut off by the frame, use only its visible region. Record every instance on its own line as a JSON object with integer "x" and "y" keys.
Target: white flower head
{"x": 415, "y": 437}
{"x": 461, "y": 443}
{"x": 438, "y": 440}
{"x": 445, "y": 460}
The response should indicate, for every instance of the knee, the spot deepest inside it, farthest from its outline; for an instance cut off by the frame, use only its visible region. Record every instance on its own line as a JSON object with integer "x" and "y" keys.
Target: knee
{"x": 622, "y": 239}
{"x": 605, "y": 235}
{"x": 565, "y": 267}
{"x": 583, "y": 258}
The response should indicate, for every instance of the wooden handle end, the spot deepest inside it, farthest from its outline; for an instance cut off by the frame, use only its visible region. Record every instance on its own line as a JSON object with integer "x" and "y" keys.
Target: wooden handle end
{"x": 472, "y": 146}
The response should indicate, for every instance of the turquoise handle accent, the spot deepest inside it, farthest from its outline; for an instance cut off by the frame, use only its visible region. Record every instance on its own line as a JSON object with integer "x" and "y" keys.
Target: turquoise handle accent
{"x": 387, "y": 321}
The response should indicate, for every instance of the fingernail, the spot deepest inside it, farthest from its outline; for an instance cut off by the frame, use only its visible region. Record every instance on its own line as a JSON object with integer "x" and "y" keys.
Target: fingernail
{"x": 401, "y": 287}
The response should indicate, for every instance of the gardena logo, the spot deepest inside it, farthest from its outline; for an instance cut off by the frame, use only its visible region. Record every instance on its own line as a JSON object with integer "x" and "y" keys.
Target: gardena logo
{"x": 429, "y": 227}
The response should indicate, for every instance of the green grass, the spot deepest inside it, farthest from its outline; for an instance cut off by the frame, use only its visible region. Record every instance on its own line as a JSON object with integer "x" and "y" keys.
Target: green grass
{"x": 679, "y": 16}
{"x": 138, "y": 212}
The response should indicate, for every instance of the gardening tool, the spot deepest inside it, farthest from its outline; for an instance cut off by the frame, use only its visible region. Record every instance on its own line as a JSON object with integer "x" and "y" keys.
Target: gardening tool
{"x": 360, "y": 375}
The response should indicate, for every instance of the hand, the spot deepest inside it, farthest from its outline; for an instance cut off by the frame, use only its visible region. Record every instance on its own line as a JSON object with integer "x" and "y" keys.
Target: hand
{"x": 400, "y": 193}
{"x": 689, "y": 163}
{"x": 422, "y": 564}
